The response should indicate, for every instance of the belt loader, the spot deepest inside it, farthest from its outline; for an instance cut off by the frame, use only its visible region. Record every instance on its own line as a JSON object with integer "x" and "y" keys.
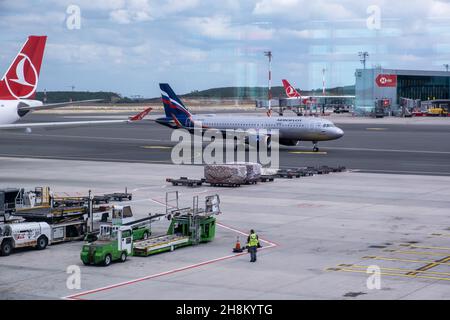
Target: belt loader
{"x": 189, "y": 226}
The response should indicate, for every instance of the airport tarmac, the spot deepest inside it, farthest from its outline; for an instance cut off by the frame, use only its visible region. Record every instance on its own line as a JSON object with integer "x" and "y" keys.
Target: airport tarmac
{"x": 391, "y": 145}
{"x": 320, "y": 234}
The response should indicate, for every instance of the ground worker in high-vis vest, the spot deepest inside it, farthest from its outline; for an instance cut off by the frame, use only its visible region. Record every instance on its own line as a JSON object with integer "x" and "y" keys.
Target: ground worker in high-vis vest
{"x": 252, "y": 245}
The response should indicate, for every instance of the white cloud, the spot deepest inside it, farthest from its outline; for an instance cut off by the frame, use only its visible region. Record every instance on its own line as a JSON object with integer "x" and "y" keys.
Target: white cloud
{"x": 222, "y": 28}
{"x": 129, "y": 11}
{"x": 298, "y": 34}
{"x": 84, "y": 53}
{"x": 132, "y": 11}
{"x": 305, "y": 9}
{"x": 439, "y": 9}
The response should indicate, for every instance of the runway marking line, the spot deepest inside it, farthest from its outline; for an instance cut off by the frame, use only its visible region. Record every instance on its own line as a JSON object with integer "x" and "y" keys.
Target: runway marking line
{"x": 161, "y": 274}
{"x": 404, "y": 260}
{"x": 430, "y": 266}
{"x": 376, "y": 129}
{"x": 344, "y": 269}
{"x": 156, "y": 147}
{"x": 424, "y": 247}
{"x": 441, "y": 234}
{"x": 308, "y": 152}
{"x": 404, "y": 271}
{"x": 416, "y": 252}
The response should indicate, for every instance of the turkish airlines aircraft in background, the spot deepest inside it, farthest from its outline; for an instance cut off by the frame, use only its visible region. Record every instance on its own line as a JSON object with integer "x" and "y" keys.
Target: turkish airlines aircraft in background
{"x": 292, "y": 93}
{"x": 18, "y": 88}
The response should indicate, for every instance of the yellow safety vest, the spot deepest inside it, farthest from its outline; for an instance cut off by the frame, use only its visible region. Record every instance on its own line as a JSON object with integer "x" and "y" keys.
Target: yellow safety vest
{"x": 253, "y": 240}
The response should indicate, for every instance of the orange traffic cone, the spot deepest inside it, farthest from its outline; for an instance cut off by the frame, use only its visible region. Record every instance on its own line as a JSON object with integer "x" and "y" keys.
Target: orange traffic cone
{"x": 237, "y": 248}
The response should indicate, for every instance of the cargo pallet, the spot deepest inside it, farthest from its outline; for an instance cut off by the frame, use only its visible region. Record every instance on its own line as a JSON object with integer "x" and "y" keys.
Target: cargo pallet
{"x": 185, "y": 181}
{"x": 267, "y": 178}
{"x": 227, "y": 185}
{"x": 119, "y": 196}
{"x": 288, "y": 174}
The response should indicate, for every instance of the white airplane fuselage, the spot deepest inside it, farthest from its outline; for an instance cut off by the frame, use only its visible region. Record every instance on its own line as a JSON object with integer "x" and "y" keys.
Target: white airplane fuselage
{"x": 289, "y": 128}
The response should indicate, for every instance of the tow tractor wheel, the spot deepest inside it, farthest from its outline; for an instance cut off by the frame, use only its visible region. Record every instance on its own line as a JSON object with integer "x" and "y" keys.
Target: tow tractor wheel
{"x": 6, "y": 248}
{"x": 107, "y": 260}
{"x": 123, "y": 257}
{"x": 316, "y": 149}
{"x": 42, "y": 243}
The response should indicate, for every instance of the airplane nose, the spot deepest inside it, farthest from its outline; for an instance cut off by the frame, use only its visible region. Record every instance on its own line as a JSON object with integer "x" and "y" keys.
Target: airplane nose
{"x": 339, "y": 133}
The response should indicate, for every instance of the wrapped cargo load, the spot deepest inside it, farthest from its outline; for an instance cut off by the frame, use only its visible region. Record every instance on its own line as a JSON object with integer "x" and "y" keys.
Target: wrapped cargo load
{"x": 253, "y": 171}
{"x": 226, "y": 174}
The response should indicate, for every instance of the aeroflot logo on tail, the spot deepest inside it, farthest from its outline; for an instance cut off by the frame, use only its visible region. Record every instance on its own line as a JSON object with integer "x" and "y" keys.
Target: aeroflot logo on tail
{"x": 22, "y": 78}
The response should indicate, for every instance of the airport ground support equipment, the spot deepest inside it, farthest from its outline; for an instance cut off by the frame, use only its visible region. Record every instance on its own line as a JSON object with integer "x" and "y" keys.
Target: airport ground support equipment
{"x": 23, "y": 235}
{"x": 114, "y": 243}
{"x": 38, "y": 234}
{"x": 188, "y": 226}
{"x": 185, "y": 181}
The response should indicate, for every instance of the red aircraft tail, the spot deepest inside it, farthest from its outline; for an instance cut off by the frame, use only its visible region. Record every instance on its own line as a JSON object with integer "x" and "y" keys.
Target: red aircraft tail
{"x": 290, "y": 90}
{"x": 21, "y": 79}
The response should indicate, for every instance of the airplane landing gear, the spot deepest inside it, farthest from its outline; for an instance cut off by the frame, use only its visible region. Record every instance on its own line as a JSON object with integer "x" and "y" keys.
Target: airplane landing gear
{"x": 315, "y": 147}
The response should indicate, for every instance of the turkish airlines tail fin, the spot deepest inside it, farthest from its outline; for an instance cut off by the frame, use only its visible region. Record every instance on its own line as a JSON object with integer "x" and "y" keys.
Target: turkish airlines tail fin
{"x": 290, "y": 90}
{"x": 21, "y": 79}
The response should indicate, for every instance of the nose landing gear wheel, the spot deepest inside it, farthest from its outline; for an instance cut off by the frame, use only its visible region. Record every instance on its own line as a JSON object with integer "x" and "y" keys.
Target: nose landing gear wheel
{"x": 315, "y": 147}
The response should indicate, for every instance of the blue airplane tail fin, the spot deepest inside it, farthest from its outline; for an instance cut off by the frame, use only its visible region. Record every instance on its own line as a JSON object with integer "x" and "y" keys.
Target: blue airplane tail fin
{"x": 173, "y": 106}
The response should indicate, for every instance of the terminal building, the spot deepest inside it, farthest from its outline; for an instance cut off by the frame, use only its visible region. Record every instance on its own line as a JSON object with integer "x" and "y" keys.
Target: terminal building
{"x": 389, "y": 86}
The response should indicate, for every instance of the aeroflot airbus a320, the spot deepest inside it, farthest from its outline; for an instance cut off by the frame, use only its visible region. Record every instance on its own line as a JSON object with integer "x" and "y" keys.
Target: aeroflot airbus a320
{"x": 291, "y": 130}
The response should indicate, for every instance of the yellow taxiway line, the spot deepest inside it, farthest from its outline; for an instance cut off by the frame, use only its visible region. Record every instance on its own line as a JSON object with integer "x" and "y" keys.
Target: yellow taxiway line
{"x": 308, "y": 152}
{"x": 376, "y": 129}
{"x": 156, "y": 147}
{"x": 416, "y": 252}
{"x": 390, "y": 274}
{"x": 405, "y": 260}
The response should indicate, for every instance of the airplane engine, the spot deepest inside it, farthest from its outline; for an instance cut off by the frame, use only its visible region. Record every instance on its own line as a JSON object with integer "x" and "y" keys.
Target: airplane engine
{"x": 288, "y": 142}
{"x": 9, "y": 112}
{"x": 256, "y": 140}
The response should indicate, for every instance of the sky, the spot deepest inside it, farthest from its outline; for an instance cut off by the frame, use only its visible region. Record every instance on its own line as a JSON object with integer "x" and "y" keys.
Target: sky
{"x": 129, "y": 46}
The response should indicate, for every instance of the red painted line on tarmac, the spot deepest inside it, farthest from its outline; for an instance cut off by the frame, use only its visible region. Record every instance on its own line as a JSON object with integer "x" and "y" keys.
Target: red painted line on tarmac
{"x": 76, "y": 296}
{"x": 271, "y": 243}
{"x": 165, "y": 273}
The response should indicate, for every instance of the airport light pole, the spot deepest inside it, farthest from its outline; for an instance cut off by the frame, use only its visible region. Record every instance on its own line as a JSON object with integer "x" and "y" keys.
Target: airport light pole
{"x": 323, "y": 80}
{"x": 269, "y": 93}
{"x": 363, "y": 58}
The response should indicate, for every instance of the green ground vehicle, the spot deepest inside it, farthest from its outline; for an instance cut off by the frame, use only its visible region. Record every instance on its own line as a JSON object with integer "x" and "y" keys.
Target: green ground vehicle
{"x": 184, "y": 230}
{"x": 114, "y": 243}
{"x": 188, "y": 226}
{"x": 123, "y": 216}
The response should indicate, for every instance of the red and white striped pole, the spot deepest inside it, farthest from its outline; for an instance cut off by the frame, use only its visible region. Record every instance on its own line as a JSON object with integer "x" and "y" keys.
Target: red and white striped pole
{"x": 269, "y": 93}
{"x": 323, "y": 81}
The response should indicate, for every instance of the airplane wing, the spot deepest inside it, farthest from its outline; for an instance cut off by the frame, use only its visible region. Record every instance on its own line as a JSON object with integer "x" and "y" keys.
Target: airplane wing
{"x": 25, "y": 107}
{"x": 16, "y": 126}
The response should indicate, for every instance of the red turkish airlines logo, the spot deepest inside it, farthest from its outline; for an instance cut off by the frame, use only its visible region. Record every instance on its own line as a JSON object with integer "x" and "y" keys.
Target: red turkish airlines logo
{"x": 291, "y": 92}
{"x": 22, "y": 77}
{"x": 386, "y": 80}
